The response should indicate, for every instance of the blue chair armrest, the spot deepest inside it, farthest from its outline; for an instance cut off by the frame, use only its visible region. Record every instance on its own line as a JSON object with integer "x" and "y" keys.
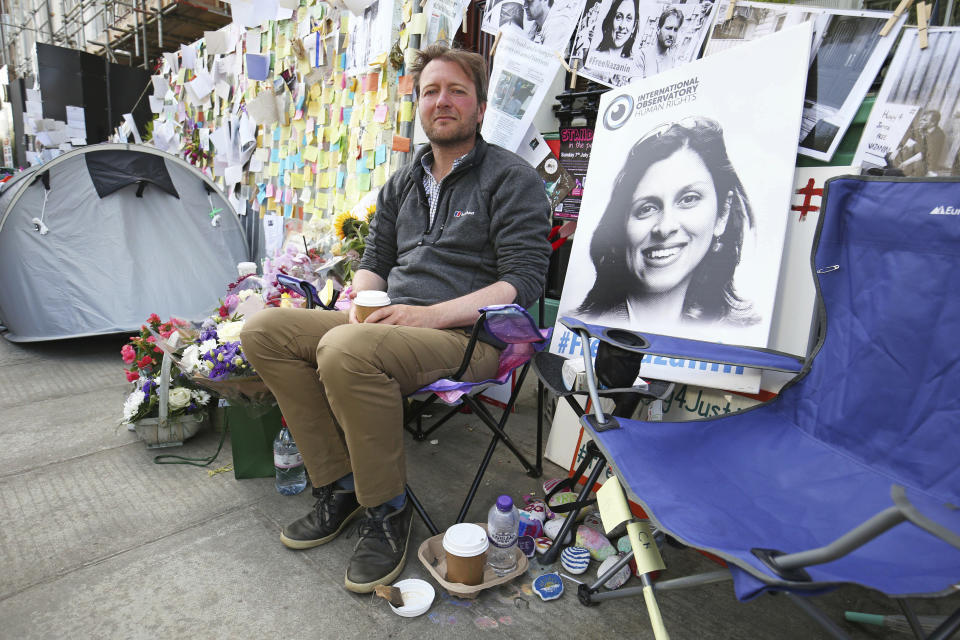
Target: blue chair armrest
{"x": 669, "y": 346}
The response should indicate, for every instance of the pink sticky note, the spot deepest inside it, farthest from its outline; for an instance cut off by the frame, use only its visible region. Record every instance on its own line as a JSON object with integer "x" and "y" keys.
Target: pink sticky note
{"x": 288, "y": 196}
{"x": 380, "y": 113}
{"x": 269, "y": 189}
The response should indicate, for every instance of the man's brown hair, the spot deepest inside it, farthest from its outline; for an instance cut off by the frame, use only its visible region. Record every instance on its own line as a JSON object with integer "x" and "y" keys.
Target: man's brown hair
{"x": 472, "y": 64}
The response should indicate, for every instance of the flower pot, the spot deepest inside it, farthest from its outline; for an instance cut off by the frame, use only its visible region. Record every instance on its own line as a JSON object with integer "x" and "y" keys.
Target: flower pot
{"x": 171, "y": 432}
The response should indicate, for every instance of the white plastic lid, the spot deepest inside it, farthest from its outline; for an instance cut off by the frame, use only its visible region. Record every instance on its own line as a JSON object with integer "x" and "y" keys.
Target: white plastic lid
{"x": 417, "y": 597}
{"x": 465, "y": 540}
{"x": 372, "y": 298}
{"x": 246, "y": 268}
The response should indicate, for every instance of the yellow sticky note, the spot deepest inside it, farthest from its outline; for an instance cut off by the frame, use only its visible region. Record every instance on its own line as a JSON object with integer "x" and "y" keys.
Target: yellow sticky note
{"x": 274, "y": 169}
{"x": 406, "y": 111}
{"x": 371, "y": 160}
{"x": 296, "y": 180}
{"x": 323, "y": 180}
{"x": 645, "y": 550}
{"x": 315, "y": 91}
{"x": 181, "y": 76}
{"x": 363, "y": 182}
{"x": 369, "y": 140}
{"x": 310, "y": 153}
{"x": 314, "y": 108}
{"x": 321, "y": 201}
{"x": 380, "y": 175}
{"x": 612, "y": 504}
{"x": 417, "y": 24}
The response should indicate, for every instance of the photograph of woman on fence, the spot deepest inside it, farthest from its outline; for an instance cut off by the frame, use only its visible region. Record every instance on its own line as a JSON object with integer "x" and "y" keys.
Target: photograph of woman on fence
{"x": 671, "y": 237}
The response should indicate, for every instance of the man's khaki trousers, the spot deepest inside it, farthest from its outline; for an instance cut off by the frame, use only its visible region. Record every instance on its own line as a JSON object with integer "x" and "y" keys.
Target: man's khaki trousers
{"x": 340, "y": 387}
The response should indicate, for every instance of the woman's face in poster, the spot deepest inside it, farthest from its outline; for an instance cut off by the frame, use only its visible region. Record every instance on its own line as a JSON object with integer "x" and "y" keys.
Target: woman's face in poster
{"x": 624, "y": 20}
{"x": 672, "y": 221}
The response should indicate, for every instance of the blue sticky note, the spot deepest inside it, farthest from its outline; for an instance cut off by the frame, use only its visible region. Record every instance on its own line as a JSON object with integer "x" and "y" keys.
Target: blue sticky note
{"x": 261, "y": 192}
{"x": 299, "y": 104}
{"x": 298, "y": 160}
{"x": 288, "y": 163}
{"x": 381, "y": 154}
{"x": 343, "y": 61}
{"x": 288, "y": 211}
{"x": 275, "y": 155}
{"x": 276, "y": 134}
{"x": 362, "y": 166}
{"x": 258, "y": 66}
{"x": 346, "y": 113}
{"x": 341, "y": 178}
{"x": 335, "y": 145}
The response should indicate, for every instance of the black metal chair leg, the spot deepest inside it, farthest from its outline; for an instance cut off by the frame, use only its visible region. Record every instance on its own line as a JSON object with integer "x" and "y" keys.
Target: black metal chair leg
{"x": 551, "y": 555}
{"x": 423, "y": 512}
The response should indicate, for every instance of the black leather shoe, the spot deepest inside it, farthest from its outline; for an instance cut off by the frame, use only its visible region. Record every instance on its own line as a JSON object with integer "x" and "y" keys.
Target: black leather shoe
{"x": 334, "y": 509}
{"x": 381, "y": 552}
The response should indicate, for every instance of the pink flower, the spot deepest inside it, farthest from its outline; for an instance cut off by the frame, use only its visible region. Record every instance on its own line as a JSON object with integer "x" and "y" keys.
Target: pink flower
{"x": 153, "y": 319}
{"x": 145, "y": 362}
{"x": 132, "y": 376}
{"x": 128, "y": 354}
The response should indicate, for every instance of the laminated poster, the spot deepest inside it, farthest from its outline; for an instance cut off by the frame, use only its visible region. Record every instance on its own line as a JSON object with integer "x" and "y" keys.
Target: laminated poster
{"x": 682, "y": 229}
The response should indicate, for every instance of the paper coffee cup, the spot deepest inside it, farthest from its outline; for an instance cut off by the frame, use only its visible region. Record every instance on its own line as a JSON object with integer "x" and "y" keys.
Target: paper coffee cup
{"x": 366, "y": 302}
{"x": 465, "y": 545}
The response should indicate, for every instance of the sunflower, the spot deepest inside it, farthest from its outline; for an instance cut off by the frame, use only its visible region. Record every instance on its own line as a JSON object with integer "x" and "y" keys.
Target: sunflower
{"x": 371, "y": 211}
{"x": 344, "y": 224}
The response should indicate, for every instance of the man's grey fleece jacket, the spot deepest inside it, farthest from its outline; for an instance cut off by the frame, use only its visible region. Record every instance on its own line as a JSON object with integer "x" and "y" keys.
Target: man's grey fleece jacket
{"x": 491, "y": 224}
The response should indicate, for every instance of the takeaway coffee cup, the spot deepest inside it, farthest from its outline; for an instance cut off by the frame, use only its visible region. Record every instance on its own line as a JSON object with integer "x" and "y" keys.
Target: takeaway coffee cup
{"x": 465, "y": 545}
{"x": 367, "y": 301}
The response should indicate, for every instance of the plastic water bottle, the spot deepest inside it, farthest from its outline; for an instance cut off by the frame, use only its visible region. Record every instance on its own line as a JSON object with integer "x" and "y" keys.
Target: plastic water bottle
{"x": 291, "y": 475}
{"x": 502, "y": 523}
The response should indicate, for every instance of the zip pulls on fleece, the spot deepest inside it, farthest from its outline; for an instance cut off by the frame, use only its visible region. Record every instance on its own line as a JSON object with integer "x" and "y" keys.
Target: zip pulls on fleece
{"x": 455, "y": 173}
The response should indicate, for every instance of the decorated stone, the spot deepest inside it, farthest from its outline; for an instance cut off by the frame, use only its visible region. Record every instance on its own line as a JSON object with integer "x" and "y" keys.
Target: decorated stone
{"x": 543, "y": 543}
{"x": 537, "y": 510}
{"x": 530, "y": 526}
{"x": 549, "y": 586}
{"x": 552, "y": 529}
{"x": 527, "y": 545}
{"x": 623, "y": 545}
{"x": 548, "y": 485}
{"x": 575, "y": 559}
{"x": 564, "y": 497}
{"x": 600, "y": 548}
{"x": 619, "y": 578}
{"x": 594, "y": 520}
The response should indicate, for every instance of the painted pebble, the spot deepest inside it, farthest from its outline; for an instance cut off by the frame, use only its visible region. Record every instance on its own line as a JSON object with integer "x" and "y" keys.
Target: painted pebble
{"x": 530, "y": 525}
{"x": 552, "y": 529}
{"x": 543, "y": 544}
{"x": 536, "y": 510}
{"x": 527, "y": 545}
{"x": 600, "y": 548}
{"x": 594, "y": 520}
{"x": 619, "y": 578}
{"x": 575, "y": 559}
{"x": 548, "y": 485}
{"x": 564, "y": 497}
{"x": 549, "y": 586}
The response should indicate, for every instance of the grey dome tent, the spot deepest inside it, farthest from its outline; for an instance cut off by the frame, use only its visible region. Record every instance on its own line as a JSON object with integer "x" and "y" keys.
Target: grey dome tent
{"x": 95, "y": 240}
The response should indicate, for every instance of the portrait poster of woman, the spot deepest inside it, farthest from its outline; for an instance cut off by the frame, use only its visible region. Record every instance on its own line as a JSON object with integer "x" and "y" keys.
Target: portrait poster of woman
{"x": 619, "y": 41}
{"x": 682, "y": 226}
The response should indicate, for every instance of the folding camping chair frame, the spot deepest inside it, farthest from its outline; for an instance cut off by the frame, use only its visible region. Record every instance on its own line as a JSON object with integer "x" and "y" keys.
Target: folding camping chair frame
{"x": 416, "y": 414}
{"x": 788, "y": 566}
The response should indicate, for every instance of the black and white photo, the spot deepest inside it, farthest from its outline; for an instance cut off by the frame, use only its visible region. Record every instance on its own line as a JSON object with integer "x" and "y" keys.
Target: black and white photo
{"x": 546, "y": 22}
{"x": 847, "y": 52}
{"x": 914, "y": 126}
{"x": 619, "y": 41}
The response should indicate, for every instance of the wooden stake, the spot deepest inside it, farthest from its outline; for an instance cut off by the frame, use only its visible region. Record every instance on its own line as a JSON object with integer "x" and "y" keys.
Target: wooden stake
{"x": 573, "y": 72}
{"x": 496, "y": 41}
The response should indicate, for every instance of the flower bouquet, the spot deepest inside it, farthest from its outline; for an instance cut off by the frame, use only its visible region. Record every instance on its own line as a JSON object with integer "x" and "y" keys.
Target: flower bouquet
{"x": 165, "y": 407}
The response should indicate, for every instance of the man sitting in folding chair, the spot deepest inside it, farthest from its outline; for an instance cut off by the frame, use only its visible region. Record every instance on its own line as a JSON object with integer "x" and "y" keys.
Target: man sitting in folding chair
{"x": 463, "y": 226}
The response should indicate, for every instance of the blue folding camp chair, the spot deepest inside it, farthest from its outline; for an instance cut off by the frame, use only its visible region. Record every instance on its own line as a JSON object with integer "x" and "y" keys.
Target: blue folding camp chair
{"x": 850, "y": 474}
{"x": 516, "y": 329}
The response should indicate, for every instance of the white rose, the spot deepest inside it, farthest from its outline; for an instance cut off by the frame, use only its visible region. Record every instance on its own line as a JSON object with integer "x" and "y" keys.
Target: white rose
{"x": 191, "y": 358}
{"x": 178, "y": 398}
{"x": 229, "y": 331}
